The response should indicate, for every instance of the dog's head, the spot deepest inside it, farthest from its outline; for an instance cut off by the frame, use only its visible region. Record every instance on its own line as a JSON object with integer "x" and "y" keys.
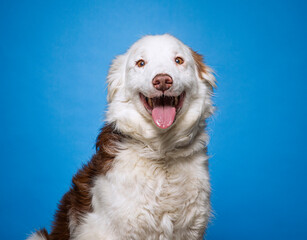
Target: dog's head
{"x": 159, "y": 86}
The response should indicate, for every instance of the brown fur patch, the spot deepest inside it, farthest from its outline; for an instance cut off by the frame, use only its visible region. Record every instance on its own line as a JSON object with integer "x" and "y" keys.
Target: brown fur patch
{"x": 202, "y": 68}
{"x": 77, "y": 201}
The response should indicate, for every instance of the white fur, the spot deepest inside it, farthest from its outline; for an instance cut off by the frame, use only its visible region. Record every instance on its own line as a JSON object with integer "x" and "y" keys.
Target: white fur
{"x": 36, "y": 236}
{"x": 149, "y": 200}
{"x": 158, "y": 187}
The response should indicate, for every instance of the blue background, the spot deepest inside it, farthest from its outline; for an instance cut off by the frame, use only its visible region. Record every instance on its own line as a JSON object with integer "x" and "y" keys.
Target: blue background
{"x": 54, "y": 61}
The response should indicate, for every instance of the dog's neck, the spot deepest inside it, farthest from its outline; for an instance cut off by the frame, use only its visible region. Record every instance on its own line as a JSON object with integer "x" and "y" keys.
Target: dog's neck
{"x": 175, "y": 143}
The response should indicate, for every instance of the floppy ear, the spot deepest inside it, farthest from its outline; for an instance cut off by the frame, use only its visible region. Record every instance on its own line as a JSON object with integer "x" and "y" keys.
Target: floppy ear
{"x": 204, "y": 72}
{"x": 116, "y": 76}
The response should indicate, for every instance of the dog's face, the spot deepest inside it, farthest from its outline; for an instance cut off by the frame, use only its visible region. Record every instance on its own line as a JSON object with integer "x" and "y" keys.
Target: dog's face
{"x": 159, "y": 84}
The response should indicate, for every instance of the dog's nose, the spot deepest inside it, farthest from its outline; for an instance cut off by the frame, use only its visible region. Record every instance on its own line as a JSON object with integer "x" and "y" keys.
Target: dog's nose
{"x": 162, "y": 82}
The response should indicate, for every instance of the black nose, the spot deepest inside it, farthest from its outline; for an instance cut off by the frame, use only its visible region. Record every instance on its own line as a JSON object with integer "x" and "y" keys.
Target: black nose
{"x": 162, "y": 82}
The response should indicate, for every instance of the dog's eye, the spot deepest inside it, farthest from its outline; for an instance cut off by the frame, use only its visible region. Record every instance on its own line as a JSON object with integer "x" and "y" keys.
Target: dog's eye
{"x": 140, "y": 63}
{"x": 179, "y": 60}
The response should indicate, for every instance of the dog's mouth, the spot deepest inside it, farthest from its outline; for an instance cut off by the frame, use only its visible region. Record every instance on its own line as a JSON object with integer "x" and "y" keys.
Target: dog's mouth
{"x": 163, "y": 109}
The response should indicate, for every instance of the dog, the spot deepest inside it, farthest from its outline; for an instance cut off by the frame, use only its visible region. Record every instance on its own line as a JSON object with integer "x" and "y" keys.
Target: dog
{"x": 149, "y": 176}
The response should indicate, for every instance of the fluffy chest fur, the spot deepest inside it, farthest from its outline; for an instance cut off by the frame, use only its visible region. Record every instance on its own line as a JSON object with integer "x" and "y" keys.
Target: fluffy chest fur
{"x": 144, "y": 199}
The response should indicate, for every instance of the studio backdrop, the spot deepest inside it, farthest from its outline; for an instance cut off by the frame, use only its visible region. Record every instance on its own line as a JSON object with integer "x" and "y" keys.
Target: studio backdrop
{"x": 55, "y": 56}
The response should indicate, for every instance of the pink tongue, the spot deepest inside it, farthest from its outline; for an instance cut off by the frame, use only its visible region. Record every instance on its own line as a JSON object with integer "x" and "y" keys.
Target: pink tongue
{"x": 163, "y": 116}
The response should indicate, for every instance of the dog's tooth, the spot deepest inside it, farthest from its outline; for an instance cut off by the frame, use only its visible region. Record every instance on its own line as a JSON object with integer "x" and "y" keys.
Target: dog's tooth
{"x": 150, "y": 102}
{"x": 176, "y": 101}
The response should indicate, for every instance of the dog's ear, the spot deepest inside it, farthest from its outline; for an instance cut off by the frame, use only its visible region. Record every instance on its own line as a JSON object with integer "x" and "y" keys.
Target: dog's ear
{"x": 116, "y": 76}
{"x": 204, "y": 72}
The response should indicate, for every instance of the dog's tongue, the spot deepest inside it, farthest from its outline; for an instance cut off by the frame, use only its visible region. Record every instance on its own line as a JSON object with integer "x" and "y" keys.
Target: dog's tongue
{"x": 163, "y": 116}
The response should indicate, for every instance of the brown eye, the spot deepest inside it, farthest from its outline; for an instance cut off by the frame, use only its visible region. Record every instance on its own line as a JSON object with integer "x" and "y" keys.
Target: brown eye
{"x": 140, "y": 63}
{"x": 179, "y": 60}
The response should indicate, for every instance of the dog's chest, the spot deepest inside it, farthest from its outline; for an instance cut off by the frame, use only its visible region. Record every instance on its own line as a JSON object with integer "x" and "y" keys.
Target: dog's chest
{"x": 153, "y": 199}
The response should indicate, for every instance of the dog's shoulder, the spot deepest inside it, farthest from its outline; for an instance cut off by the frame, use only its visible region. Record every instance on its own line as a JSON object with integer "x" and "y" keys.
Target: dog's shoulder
{"x": 78, "y": 200}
